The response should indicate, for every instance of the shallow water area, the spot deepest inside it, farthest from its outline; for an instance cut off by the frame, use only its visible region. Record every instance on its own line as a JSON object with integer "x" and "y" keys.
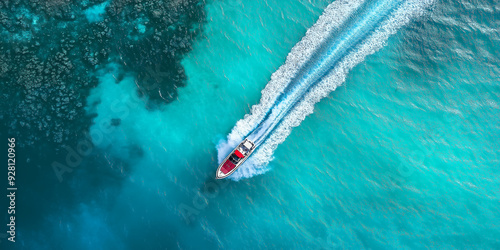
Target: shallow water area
{"x": 391, "y": 144}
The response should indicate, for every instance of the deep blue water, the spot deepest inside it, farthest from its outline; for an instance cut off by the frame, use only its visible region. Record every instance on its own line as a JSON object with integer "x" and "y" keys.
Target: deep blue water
{"x": 377, "y": 123}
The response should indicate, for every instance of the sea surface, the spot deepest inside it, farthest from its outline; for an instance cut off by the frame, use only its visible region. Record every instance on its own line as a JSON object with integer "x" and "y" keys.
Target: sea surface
{"x": 378, "y": 123}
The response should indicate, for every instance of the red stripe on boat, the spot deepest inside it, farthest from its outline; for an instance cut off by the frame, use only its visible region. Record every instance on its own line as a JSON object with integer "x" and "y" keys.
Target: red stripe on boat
{"x": 239, "y": 154}
{"x": 227, "y": 167}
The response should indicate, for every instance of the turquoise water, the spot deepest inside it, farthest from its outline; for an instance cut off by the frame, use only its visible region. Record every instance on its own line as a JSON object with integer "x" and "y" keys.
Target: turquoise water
{"x": 389, "y": 142}
{"x": 398, "y": 156}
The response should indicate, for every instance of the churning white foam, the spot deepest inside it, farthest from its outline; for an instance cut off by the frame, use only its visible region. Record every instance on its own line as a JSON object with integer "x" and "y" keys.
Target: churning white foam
{"x": 332, "y": 19}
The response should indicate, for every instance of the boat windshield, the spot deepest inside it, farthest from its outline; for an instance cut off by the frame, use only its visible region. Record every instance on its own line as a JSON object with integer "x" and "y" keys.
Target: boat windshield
{"x": 243, "y": 149}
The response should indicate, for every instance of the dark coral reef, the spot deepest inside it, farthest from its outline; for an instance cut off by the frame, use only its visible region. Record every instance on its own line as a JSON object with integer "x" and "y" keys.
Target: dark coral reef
{"x": 51, "y": 50}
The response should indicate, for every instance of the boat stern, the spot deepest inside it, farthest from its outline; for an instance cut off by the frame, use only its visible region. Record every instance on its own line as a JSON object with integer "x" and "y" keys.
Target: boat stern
{"x": 235, "y": 159}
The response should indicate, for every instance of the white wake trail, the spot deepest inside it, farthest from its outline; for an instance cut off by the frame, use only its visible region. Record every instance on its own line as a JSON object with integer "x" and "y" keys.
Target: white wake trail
{"x": 332, "y": 19}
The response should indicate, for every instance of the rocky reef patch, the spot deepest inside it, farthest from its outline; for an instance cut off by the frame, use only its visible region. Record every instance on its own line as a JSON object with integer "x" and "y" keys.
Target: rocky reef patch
{"x": 51, "y": 50}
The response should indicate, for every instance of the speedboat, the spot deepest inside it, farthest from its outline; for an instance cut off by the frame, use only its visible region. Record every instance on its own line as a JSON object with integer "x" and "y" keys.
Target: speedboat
{"x": 234, "y": 160}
